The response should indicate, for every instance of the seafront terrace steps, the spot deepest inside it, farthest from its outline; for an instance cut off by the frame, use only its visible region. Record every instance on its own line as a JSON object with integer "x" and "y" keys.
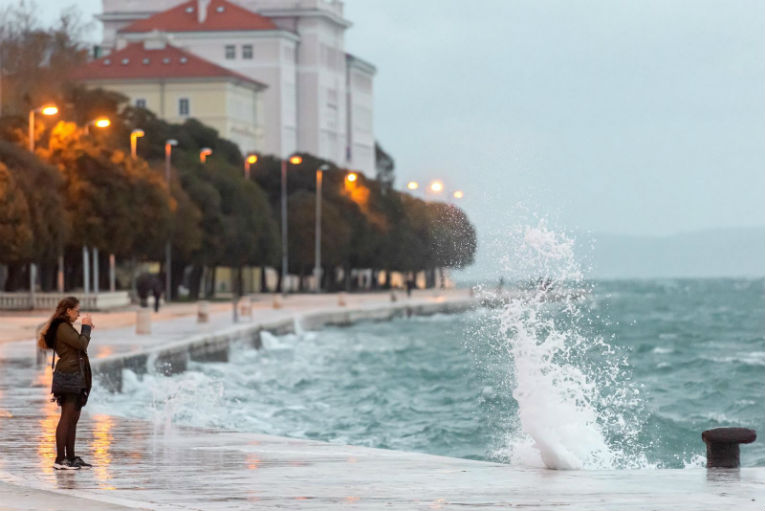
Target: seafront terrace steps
{"x": 140, "y": 465}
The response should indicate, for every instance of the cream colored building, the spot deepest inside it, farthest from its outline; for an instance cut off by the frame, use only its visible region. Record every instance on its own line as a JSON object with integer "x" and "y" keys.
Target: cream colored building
{"x": 177, "y": 85}
{"x": 319, "y": 99}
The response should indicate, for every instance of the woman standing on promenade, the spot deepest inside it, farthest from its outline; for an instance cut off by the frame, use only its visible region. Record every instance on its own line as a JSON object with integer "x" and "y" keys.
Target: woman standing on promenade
{"x": 72, "y": 378}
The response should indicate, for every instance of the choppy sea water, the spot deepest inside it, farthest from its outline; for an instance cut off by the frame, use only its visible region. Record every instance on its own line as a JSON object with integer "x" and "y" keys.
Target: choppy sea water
{"x": 622, "y": 374}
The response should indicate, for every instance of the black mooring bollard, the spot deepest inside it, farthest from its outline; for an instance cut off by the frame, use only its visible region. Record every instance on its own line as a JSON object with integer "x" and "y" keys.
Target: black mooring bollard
{"x": 722, "y": 445}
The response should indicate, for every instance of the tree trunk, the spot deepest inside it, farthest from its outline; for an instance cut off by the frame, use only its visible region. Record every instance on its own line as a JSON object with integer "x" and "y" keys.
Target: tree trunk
{"x": 430, "y": 278}
{"x": 195, "y": 281}
{"x": 47, "y": 273}
{"x": 263, "y": 280}
{"x": 347, "y": 277}
{"x": 279, "y": 281}
{"x": 211, "y": 287}
{"x": 17, "y": 275}
{"x": 328, "y": 280}
{"x": 178, "y": 269}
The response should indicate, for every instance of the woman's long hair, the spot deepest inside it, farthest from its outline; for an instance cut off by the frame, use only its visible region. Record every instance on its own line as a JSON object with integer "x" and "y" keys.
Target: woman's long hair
{"x": 47, "y": 337}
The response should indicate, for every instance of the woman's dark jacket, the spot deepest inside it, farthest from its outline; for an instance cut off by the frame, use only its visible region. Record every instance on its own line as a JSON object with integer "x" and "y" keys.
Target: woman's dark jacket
{"x": 71, "y": 347}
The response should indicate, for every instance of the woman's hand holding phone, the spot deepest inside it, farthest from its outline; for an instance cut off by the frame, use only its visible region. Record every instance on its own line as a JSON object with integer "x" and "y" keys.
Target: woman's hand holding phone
{"x": 87, "y": 320}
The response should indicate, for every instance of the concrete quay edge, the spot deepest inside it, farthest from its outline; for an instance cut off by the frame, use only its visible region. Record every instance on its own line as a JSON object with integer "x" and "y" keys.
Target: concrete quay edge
{"x": 173, "y": 357}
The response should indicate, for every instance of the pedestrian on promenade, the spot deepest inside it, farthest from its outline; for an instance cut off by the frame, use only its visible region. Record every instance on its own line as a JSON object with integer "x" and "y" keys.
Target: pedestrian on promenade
{"x": 72, "y": 377}
{"x": 157, "y": 289}
{"x": 409, "y": 285}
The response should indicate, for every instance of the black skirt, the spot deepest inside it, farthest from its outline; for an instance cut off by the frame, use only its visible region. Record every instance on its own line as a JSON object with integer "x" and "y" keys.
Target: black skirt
{"x": 80, "y": 399}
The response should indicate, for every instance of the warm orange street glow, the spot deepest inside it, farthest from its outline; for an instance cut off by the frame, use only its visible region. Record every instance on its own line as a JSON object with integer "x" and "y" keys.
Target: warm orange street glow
{"x": 102, "y": 122}
{"x": 49, "y": 110}
{"x": 296, "y": 160}
{"x": 436, "y": 187}
{"x": 413, "y": 185}
{"x": 458, "y": 194}
{"x": 352, "y": 177}
{"x": 252, "y": 159}
{"x": 204, "y": 153}
{"x": 137, "y": 133}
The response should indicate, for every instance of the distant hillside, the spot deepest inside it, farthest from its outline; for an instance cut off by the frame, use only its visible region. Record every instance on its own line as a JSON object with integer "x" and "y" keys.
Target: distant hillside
{"x": 736, "y": 252}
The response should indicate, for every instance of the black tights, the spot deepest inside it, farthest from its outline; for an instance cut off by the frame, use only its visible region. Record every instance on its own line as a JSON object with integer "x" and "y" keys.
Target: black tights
{"x": 66, "y": 431}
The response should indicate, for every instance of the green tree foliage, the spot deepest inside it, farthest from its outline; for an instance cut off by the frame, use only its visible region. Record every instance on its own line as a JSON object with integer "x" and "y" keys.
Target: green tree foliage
{"x": 41, "y": 186}
{"x": 116, "y": 204}
{"x": 454, "y": 238}
{"x": 335, "y": 233}
{"x": 385, "y": 166}
{"x": 15, "y": 226}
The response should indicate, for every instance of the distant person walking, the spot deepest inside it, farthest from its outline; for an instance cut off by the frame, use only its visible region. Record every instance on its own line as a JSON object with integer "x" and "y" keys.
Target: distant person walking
{"x": 409, "y": 285}
{"x": 72, "y": 377}
{"x": 157, "y": 289}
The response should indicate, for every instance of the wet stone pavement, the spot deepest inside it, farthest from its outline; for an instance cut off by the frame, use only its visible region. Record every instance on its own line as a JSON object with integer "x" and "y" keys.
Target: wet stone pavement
{"x": 145, "y": 466}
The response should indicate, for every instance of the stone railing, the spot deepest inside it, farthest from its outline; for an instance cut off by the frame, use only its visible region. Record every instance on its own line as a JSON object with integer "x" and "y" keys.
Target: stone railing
{"x": 90, "y": 301}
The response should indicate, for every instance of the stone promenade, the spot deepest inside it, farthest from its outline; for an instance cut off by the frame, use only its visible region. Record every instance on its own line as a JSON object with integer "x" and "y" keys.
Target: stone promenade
{"x": 141, "y": 466}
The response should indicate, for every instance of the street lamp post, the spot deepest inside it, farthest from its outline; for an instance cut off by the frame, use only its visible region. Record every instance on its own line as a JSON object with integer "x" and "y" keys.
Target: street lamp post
{"x": 134, "y": 136}
{"x": 169, "y": 144}
{"x": 317, "y": 251}
{"x": 101, "y": 123}
{"x": 251, "y": 159}
{"x": 45, "y": 110}
{"x": 295, "y": 160}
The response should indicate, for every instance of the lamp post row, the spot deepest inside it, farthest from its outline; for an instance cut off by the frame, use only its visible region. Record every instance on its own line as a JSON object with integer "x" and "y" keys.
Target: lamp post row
{"x": 251, "y": 159}
{"x": 101, "y": 122}
{"x": 435, "y": 187}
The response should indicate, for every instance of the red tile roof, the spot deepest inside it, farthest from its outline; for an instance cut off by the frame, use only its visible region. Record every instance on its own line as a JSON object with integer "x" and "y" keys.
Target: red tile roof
{"x": 222, "y": 15}
{"x": 135, "y": 62}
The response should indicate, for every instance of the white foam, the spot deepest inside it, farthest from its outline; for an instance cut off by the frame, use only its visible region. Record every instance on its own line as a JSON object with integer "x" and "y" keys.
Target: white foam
{"x": 564, "y": 417}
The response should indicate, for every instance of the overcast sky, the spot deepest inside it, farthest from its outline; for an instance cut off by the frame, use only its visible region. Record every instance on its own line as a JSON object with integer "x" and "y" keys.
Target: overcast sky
{"x": 630, "y": 117}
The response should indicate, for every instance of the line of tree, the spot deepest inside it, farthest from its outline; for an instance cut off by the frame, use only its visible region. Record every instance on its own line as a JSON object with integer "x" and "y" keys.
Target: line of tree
{"x": 82, "y": 188}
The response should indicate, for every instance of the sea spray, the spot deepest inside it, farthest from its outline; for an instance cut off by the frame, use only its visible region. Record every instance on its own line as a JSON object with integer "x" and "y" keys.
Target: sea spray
{"x": 576, "y": 409}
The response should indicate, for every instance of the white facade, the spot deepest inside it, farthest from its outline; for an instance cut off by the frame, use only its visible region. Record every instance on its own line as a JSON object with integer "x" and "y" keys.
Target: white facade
{"x": 318, "y": 100}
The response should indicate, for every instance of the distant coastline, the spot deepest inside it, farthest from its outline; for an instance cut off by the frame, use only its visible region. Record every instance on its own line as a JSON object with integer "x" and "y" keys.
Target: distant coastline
{"x": 737, "y": 252}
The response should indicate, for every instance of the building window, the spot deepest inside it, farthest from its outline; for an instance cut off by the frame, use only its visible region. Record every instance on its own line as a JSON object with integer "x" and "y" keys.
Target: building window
{"x": 247, "y": 51}
{"x": 230, "y": 51}
{"x": 183, "y": 106}
{"x": 140, "y": 103}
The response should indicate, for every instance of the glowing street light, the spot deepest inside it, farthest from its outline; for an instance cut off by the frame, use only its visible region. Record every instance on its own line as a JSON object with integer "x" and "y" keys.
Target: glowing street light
{"x": 204, "y": 153}
{"x": 45, "y": 110}
{"x": 413, "y": 185}
{"x": 352, "y": 177}
{"x": 296, "y": 160}
{"x": 458, "y": 194}
{"x": 436, "y": 187}
{"x": 99, "y": 122}
{"x": 134, "y": 136}
{"x": 251, "y": 159}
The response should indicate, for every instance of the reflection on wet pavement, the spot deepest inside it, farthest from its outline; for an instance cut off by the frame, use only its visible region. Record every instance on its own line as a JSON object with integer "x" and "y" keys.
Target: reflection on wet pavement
{"x": 186, "y": 468}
